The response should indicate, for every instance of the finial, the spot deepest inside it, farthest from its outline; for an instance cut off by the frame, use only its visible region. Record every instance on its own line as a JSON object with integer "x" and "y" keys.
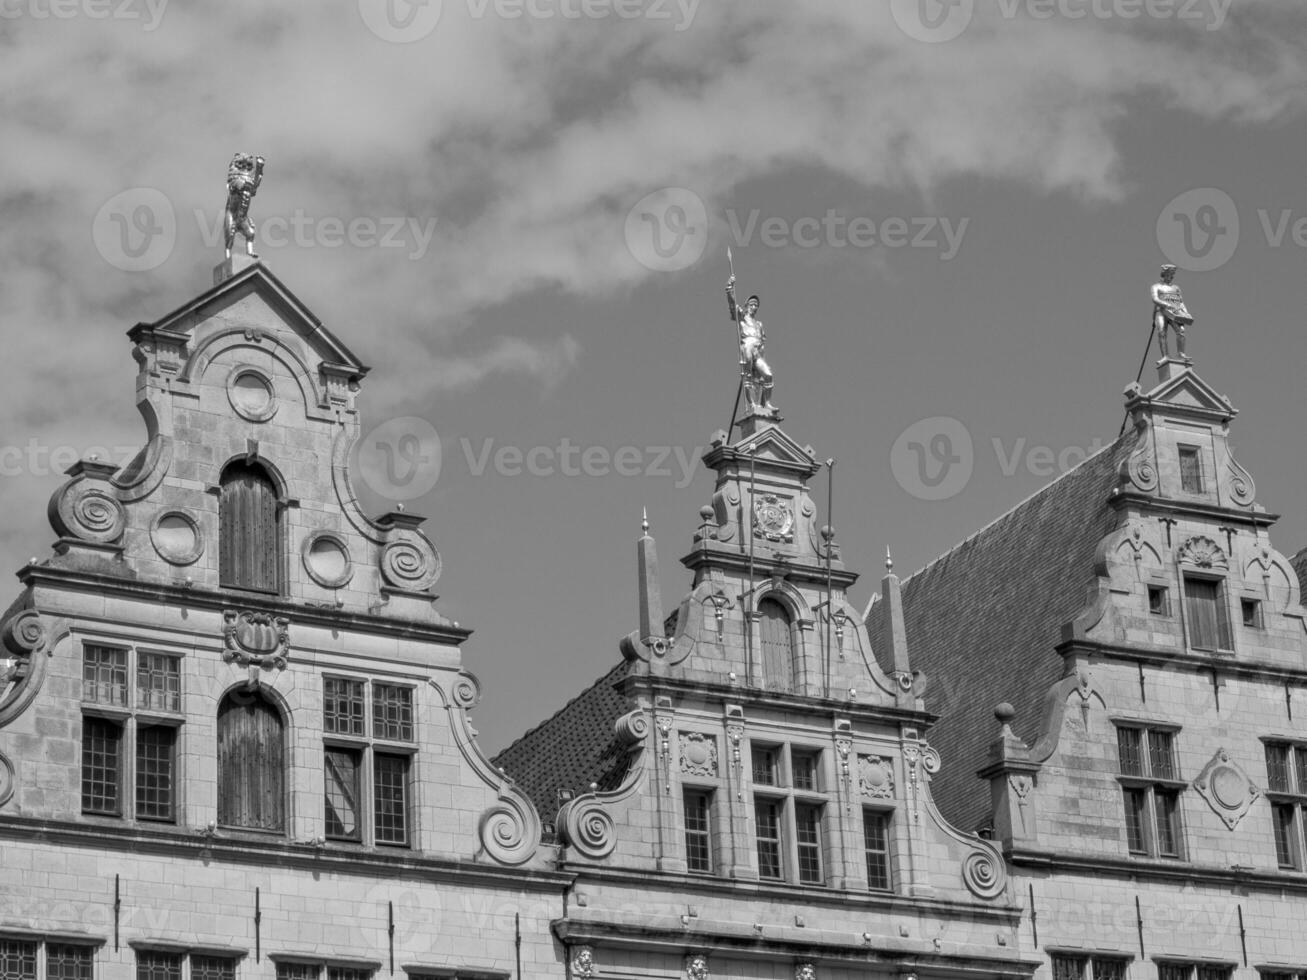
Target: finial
{"x": 400, "y": 507}
{"x": 889, "y": 560}
{"x": 644, "y": 520}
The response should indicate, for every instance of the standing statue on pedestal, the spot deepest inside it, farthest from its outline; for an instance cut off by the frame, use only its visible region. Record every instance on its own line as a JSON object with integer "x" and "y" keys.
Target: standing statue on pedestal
{"x": 1170, "y": 313}
{"x": 758, "y": 382}
{"x": 243, "y": 179}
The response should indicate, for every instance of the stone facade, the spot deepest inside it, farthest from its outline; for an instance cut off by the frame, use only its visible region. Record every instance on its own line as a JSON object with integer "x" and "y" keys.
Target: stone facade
{"x": 765, "y": 800}
{"x": 137, "y": 681}
{"x": 1139, "y": 809}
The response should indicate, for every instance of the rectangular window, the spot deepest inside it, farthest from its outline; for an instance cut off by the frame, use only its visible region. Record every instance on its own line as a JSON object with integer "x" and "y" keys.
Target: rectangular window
{"x": 1069, "y": 968}
{"x": 158, "y": 682}
{"x": 390, "y": 778}
{"x": 348, "y": 973}
{"x": 342, "y": 706}
{"x": 1174, "y": 971}
{"x": 1191, "y": 470}
{"x": 875, "y": 835}
{"x": 392, "y": 712}
{"x": 1136, "y": 817}
{"x": 698, "y": 830}
{"x": 807, "y": 834}
{"x": 1159, "y": 602}
{"x": 17, "y": 960}
{"x": 68, "y": 962}
{"x": 1109, "y": 968}
{"x": 104, "y": 675}
{"x": 764, "y": 765}
{"x": 342, "y": 793}
{"x": 1151, "y": 798}
{"x": 1252, "y": 613}
{"x": 767, "y": 817}
{"x": 213, "y": 968}
{"x": 1168, "y": 822}
{"x": 155, "y": 765}
{"x": 101, "y": 766}
{"x": 1286, "y": 783}
{"x": 1205, "y": 614}
{"x": 298, "y": 971}
{"x": 1211, "y": 971}
{"x": 804, "y": 766}
{"x": 155, "y": 965}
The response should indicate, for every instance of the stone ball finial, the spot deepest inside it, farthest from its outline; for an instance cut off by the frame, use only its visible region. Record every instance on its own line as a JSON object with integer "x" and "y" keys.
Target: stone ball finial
{"x": 827, "y": 532}
{"x": 1004, "y": 712}
{"x": 705, "y": 513}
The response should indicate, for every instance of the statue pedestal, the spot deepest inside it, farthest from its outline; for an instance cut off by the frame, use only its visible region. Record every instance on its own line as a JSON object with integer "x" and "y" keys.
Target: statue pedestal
{"x": 1169, "y": 367}
{"x": 227, "y": 268}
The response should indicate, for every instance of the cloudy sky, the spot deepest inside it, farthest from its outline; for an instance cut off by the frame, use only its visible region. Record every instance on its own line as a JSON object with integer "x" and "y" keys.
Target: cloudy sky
{"x": 518, "y": 211}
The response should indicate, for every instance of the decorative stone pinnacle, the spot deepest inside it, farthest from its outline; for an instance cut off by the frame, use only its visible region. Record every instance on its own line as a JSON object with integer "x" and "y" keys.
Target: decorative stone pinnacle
{"x": 644, "y": 520}
{"x": 889, "y": 560}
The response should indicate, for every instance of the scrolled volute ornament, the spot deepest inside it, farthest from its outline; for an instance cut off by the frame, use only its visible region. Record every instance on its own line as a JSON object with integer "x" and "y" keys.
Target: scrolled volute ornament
{"x": 86, "y": 508}
{"x": 632, "y": 728}
{"x": 983, "y": 874}
{"x": 23, "y": 655}
{"x": 410, "y": 563}
{"x": 587, "y": 827}
{"x": 509, "y": 831}
{"x": 466, "y": 691}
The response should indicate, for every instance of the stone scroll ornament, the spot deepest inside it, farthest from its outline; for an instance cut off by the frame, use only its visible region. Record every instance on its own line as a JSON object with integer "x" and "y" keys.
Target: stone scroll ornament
{"x": 410, "y": 562}
{"x": 23, "y": 655}
{"x": 87, "y": 509}
{"x": 255, "y": 639}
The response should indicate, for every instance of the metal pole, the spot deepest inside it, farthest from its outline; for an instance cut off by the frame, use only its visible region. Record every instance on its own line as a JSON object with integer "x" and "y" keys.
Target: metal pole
{"x": 748, "y": 607}
{"x": 830, "y": 546}
{"x": 1140, "y": 373}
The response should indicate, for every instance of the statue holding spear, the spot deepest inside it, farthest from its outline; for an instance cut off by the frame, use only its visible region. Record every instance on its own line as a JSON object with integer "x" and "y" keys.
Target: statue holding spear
{"x": 755, "y": 373}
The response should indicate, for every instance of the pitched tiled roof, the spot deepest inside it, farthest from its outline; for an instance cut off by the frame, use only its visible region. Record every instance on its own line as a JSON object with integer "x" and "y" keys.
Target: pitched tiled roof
{"x": 574, "y": 748}
{"x": 983, "y": 619}
{"x": 1299, "y": 563}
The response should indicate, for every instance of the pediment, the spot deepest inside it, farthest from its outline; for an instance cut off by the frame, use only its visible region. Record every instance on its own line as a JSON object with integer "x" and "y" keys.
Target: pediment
{"x": 1187, "y": 390}
{"x": 257, "y": 297}
{"x": 774, "y": 445}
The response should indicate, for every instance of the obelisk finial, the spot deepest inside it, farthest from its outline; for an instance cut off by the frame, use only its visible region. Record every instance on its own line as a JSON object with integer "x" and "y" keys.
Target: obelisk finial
{"x": 889, "y": 560}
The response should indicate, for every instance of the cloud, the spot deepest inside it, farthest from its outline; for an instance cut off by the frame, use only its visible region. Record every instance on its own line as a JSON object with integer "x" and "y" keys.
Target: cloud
{"x": 546, "y": 363}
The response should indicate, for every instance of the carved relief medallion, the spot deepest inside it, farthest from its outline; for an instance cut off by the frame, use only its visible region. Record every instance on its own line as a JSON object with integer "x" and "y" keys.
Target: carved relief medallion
{"x": 698, "y": 754}
{"x": 773, "y": 518}
{"x": 1227, "y": 789}
{"x": 875, "y": 777}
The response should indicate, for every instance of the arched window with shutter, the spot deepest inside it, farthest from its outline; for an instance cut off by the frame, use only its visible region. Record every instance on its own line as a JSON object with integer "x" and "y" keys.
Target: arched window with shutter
{"x": 777, "y": 642}
{"x": 249, "y": 529}
{"x": 251, "y": 764}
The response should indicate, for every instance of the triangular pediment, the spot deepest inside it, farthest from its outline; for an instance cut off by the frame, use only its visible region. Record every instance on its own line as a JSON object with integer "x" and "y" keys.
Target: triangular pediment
{"x": 775, "y": 445}
{"x": 256, "y": 288}
{"x": 1187, "y": 391}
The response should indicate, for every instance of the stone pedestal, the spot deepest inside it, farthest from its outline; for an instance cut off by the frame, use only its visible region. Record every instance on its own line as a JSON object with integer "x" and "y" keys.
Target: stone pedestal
{"x": 227, "y": 268}
{"x": 1169, "y": 367}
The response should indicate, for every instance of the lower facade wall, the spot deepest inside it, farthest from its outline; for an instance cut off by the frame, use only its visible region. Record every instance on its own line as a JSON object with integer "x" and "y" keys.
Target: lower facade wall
{"x": 1180, "y": 922}
{"x": 442, "y": 924}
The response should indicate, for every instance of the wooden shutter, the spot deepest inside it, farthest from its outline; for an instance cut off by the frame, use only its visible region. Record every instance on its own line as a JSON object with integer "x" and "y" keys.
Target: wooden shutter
{"x": 1201, "y": 602}
{"x": 249, "y": 552}
{"x": 777, "y": 646}
{"x": 251, "y": 764}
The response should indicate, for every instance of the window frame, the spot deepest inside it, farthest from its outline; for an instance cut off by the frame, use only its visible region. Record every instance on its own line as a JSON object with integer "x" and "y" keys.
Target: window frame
{"x": 886, "y": 817}
{"x": 1086, "y": 963}
{"x": 1185, "y": 450}
{"x": 1145, "y": 786}
{"x": 135, "y": 713}
{"x": 1221, "y": 608}
{"x": 789, "y": 799}
{"x": 1291, "y": 799}
{"x": 370, "y": 747}
{"x": 226, "y": 575}
{"x": 707, "y": 834}
{"x": 43, "y": 942}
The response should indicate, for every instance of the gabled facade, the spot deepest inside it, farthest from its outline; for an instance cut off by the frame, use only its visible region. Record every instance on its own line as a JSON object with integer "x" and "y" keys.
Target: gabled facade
{"x": 234, "y": 738}
{"x": 1144, "y": 645}
{"x": 748, "y": 793}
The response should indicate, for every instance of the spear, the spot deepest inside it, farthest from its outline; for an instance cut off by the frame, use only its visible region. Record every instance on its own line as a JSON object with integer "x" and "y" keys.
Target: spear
{"x": 739, "y": 334}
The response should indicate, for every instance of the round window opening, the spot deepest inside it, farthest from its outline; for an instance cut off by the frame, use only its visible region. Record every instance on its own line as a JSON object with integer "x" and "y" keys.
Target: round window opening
{"x": 327, "y": 561}
{"x": 176, "y": 537}
{"x": 251, "y": 395}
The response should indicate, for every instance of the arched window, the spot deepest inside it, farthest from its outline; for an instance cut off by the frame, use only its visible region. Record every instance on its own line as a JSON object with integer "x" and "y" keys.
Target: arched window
{"x": 251, "y": 763}
{"x": 777, "y": 646}
{"x": 249, "y": 523}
